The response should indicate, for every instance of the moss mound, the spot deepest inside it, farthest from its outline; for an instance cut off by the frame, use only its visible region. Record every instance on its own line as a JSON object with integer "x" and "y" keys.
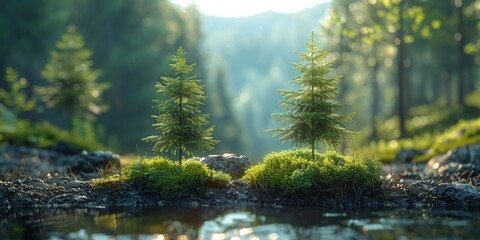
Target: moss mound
{"x": 169, "y": 180}
{"x": 294, "y": 172}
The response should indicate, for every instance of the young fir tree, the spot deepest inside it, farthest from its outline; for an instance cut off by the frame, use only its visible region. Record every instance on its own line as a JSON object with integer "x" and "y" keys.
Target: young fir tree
{"x": 180, "y": 121}
{"x": 72, "y": 82}
{"x": 15, "y": 97}
{"x": 312, "y": 115}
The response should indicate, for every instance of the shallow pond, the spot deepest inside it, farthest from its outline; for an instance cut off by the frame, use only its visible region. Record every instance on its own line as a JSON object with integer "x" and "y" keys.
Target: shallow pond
{"x": 239, "y": 223}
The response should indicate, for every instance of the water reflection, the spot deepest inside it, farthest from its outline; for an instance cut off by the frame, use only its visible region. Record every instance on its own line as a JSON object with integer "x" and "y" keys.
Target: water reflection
{"x": 237, "y": 224}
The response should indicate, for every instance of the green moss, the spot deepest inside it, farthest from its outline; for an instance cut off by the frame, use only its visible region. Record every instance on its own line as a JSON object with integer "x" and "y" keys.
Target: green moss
{"x": 45, "y": 135}
{"x": 463, "y": 133}
{"x": 472, "y": 99}
{"x": 169, "y": 180}
{"x": 111, "y": 180}
{"x": 218, "y": 179}
{"x": 293, "y": 171}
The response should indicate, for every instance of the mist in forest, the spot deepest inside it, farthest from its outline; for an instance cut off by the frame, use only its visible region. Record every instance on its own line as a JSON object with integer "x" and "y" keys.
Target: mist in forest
{"x": 408, "y": 67}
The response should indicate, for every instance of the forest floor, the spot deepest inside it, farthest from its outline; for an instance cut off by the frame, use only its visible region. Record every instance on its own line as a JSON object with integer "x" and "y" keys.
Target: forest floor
{"x": 25, "y": 185}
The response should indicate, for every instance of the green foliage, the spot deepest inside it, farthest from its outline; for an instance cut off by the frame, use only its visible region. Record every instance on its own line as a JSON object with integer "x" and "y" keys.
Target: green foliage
{"x": 163, "y": 176}
{"x": 46, "y": 135}
{"x": 72, "y": 81}
{"x": 472, "y": 99}
{"x": 180, "y": 121}
{"x": 15, "y": 97}
{"x": 311, "y": 113}
{"x": 132, "y": 42}
{"x": 84, "y": 130}
{"x": 42, "y": 135}
{"x": 463, "y": 133}
{"x": 293, "y": 171}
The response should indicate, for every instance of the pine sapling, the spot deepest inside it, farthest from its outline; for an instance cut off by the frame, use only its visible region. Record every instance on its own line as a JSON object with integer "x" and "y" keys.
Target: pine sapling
{"x": 180, "y": 123}
{"x": 72, "y": 83}
{"x": 311, "y": 113}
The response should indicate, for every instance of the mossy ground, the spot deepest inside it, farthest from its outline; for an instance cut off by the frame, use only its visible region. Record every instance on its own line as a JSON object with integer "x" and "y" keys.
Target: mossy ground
{"x": 432, "y": 129}
{"x": 287, "y": 172}
{"x": 294, "y": 172}
{"x": 46, "y": 135}
{"x": 168, "y": 179}
{"x": 428, "y": 145}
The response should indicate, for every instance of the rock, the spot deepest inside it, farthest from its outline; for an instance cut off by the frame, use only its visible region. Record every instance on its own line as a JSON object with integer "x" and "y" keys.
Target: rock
{"x": 456, "y": 196}
{"x": 4, "y": 203}
{"x": 18, "y": 161}
{"x": 406, "y": 156}
{"x": 405, "y": 161}
{"x": 233, "y": 164}
{"x": 64, "y": 148}
{"x": 466, "y": 171}
{"x": 30, "y": 193}
{"x": 92, "y": 162}
{"x": 462, "y": 162}
{"x": 21, "y": 161}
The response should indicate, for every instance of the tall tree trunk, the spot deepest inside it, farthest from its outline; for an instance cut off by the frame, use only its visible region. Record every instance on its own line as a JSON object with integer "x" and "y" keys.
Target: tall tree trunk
{"x": 447, "y": 91}
{"x": 470, "y": 80}
{"x": 400, "y": 77}
{"x": 407, "y": 82}
{"x": 436, "y": 74}
{"x": 429, "y": 80}
{"x": 423, "y": 86}
{"x": 3, "y": 69}
{"x": 375, "y": 99}
{"x": 460, "y": 38}
{"x": 343, "y": 48}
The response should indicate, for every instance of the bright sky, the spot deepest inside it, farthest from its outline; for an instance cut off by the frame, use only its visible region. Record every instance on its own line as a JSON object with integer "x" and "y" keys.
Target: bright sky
{"x": 245, "y": 8}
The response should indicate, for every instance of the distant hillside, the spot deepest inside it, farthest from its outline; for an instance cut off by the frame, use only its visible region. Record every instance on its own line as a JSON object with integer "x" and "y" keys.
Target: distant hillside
{"x": 255, "y": 53}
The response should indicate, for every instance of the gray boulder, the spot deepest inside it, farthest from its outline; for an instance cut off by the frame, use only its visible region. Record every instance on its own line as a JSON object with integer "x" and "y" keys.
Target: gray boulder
{"x": 456, "y": 196}
{"x": 92, "y": 162}
{"x": 233, "y": 164}
{"x": 462, "y": 162}
{"x": 21, "y": 161}
{"x": 407, "y": 156}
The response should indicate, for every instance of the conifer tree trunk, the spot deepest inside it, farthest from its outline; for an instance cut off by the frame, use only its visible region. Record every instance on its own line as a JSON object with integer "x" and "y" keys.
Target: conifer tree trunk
{"x": 311, "y": 119}
{"x": 471, "y": 80}
{"x": 313, "y": 149}
{"x": 180, "y": 150}
{"x": 375, "y": 100}
{"x": 447, "y": 85}
{"x": 460, "y": 38}
{"x": 180, "y": 153}
{"x": 343, "y": 48}
{"x": 401, "y": 77}
{"x": 424, "y": 87}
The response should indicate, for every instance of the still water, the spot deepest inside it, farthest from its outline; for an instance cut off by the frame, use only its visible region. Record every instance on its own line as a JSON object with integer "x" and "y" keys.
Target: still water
{"x": 240, "y": 223}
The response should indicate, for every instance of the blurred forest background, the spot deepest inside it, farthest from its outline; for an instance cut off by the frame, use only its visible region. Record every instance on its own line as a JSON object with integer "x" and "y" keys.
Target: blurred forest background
{"x": 409, "y": 67}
